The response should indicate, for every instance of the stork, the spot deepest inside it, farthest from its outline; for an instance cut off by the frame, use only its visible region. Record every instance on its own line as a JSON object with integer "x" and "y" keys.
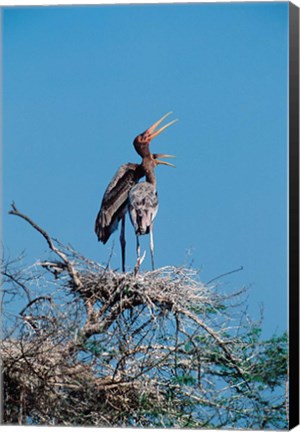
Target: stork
{"x": 143, "y": 204}
{"x": 114, "y": 204}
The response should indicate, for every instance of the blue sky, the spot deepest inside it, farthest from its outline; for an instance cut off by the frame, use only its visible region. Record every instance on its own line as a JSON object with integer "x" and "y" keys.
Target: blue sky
{"x": 81, "y": 82}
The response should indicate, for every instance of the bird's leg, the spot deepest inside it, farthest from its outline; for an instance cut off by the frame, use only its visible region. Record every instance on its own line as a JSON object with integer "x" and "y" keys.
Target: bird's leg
{"x": 139, "y": 259}
{"x": 138, "y": 248}
{"x": 138, "y": 255}
{"x": 123, "y": 243}
{"x": 151, "y": 244}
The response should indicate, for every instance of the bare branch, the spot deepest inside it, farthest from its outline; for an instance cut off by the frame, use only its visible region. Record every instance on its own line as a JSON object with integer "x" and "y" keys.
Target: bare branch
{"x": 158, "y": 349}
{"x": 57, "y": 251}
{"x": 48, "y": 298}
{"x": 225, "y": 274}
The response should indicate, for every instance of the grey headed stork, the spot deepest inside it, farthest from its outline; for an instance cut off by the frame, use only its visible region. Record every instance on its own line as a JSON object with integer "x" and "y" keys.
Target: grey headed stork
{"x": 114, "y": 203}
{"x": 143, "y": 204}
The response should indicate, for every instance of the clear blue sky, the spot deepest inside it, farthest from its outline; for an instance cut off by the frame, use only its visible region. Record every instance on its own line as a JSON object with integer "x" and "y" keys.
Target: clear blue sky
{"x": 81, "y": 82}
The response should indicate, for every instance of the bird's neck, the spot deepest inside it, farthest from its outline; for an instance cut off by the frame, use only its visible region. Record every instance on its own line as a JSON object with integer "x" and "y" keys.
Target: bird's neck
{"x": 150, "y": 178}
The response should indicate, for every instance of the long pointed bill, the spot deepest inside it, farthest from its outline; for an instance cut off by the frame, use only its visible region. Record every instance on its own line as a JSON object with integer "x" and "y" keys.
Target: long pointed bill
{"x": 162, "y": 155}
{"x": 159, "y": 162}
{"x": 152, "y": 128}
{"x": 158, "y": 122}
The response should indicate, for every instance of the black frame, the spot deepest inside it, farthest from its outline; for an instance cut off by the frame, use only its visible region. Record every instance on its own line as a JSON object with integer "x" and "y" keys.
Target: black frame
{"x": 293, "y": 215}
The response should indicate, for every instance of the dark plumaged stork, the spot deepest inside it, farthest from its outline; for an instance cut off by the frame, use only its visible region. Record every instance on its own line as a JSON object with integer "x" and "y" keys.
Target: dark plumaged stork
{"x": 143, "y": 204}
{"x": 114, "y": 204}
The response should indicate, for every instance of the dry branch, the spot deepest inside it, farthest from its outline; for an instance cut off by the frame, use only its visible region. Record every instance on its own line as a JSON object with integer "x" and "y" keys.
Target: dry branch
{"x": 72, "y": 272}
{"x": 91, "y": 346}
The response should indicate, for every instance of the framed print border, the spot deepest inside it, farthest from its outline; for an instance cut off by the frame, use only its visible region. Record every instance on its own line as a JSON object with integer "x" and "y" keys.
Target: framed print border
{"x": 293, "y": 215}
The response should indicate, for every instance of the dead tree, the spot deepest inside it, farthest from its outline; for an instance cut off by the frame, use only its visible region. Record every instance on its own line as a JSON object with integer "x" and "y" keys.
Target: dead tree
{"x": 86, "y": 345}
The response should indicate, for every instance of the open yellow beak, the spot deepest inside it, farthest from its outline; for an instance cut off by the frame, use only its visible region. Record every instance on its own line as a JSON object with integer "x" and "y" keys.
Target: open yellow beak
{"x": 161, "y": 155}
{"x": 152, "y": 128}
{"x": 159, "y": 162}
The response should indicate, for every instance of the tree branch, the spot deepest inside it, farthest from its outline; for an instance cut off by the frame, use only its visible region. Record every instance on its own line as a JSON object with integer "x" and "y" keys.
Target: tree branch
{"x": 225, "y": 274}
{"x": 71, "y": 270}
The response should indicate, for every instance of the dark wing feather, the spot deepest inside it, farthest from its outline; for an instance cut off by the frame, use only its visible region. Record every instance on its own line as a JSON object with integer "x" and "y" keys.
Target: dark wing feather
{"x": 115, "y": 200}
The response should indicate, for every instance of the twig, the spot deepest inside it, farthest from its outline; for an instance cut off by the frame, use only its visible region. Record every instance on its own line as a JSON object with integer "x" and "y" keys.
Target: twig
{"x": 224, "y": 274}
{"x": 16, "y": 212}
{"x": 220, "y": 342}
{"x": 15, "y": 280}
{"x": 72, "y": 272}
{"x": 34, "y": 301}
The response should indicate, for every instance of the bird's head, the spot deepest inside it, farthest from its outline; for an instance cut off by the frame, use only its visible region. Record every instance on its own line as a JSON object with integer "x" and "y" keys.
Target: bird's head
{"x": 142, "y": 141}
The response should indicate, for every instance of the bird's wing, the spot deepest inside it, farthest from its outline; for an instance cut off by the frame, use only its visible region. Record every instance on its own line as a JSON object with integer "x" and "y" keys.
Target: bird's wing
{"x": 115, "y": 199}
{"x": 143, "y": 206}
